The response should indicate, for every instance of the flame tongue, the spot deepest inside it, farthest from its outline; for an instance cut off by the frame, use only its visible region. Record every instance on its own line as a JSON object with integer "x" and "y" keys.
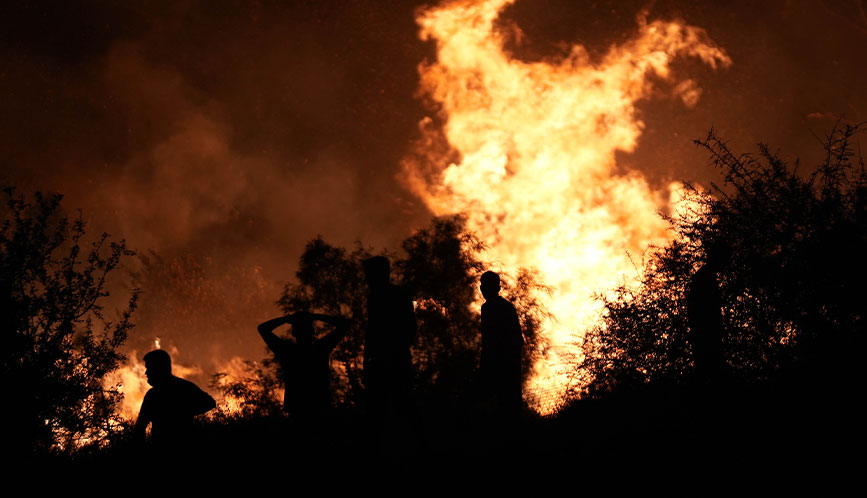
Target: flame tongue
{"x": 537, "y": 145}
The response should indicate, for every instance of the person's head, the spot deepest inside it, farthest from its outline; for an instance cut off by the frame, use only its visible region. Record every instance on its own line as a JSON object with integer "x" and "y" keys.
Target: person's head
{"x": 717, "y": 255}
{"x": 490, "y": 285}
{"x": 158, "y": 366}
{"x": 302, "y": 328}
{"x": 377, "y": 271}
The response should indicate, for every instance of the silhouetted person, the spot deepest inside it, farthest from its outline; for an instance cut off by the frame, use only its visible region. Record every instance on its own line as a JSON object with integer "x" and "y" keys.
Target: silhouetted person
{"x": 170, "y": 405}
{"x": 704, "y": 309}
{"x": 502, "y": 345}
{"x": 305, "y": 361}
{"x": 391, "y": 329}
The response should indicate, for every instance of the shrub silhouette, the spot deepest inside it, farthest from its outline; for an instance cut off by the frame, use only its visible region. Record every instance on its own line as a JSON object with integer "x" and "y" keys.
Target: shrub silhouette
{"x": 790, "y": 284}
{"x": 57, "y": 343}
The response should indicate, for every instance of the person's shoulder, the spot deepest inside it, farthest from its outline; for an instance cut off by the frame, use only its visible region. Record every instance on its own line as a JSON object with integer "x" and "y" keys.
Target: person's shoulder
{"x": 399, "y": 292}
{"x": 505, "y": 303}
{"x": 498, "y": 306}
{"x": 703, "y": 274}
{"x": 181, "y": 383}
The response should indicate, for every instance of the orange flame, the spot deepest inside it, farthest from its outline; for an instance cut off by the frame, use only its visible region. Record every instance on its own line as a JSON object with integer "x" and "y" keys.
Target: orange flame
{"x": 233, "y": 371}
{"x": 536, "y": 144}
{"x": 131, "y": 382}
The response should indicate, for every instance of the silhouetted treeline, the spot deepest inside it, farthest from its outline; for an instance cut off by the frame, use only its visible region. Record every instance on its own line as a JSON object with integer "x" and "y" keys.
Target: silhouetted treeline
{"x": 784, "y": 252}
{"x": 440, "y": 270}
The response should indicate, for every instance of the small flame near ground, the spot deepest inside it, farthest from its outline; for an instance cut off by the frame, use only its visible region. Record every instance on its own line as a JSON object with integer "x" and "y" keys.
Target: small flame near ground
{"x": 527, "y": 150}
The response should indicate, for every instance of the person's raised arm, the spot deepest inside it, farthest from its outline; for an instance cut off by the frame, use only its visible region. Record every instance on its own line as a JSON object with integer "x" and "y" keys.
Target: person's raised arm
{"x": 329, "y": 319}
{"x": 341, "y": 326}
{"x": 266, "y": 330}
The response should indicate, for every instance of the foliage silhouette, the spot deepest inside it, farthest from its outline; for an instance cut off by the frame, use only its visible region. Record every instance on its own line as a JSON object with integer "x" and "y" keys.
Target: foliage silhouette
{"x": 440, "y": 269}
{"x": 57, "y": 343}
{"x": 790, "y": 284}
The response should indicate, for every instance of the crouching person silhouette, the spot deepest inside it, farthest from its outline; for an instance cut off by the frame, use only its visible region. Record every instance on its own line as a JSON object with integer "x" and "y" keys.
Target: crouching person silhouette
{"x": 170, "y": 406}
{"x": 304, "y": 362}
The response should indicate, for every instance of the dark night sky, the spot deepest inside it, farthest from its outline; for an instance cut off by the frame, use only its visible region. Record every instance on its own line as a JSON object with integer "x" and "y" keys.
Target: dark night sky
{"x": 238, "y": 130}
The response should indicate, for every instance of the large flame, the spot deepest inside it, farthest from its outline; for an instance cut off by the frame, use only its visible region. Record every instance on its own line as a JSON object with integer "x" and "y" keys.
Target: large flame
{"x": 535, "y": 163}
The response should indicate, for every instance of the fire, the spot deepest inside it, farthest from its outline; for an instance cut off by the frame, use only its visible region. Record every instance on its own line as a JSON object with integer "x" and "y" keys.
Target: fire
{"x": 234, "y": 370}
{"x": 535, "y": 170}
{"x": 131, "y": 382}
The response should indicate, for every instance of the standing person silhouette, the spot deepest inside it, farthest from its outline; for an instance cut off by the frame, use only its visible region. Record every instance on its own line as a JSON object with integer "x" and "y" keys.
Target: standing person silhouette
{"x": 704, "y": 312}
{"x": 391, "y": 329}
{"x": 170, "y": 405}
{"x": 502, "y": 345}
{"x": 305, "y": 362}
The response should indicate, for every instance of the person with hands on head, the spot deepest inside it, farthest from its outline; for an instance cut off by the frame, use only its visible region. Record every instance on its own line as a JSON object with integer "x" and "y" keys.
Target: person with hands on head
{"x": 305, "y": 361}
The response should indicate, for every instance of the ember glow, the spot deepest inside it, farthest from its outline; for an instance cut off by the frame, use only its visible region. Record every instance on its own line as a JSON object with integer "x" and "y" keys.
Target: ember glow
{"x": 536, "y": 171}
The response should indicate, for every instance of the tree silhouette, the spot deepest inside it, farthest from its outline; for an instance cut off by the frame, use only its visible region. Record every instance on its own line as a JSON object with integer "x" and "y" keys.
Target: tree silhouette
{"x": 789, "y": 285}
{"x": 57, "y": 342}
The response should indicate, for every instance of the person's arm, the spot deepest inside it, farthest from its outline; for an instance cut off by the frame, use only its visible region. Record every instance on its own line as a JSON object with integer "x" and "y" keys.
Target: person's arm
{"x": 266, "y": 330}
{"x": 201, "y": 402}
{"x": 329, "y": 319}
{"x": 516, "y": 327}
{"x": 409, "y": 322}
{"x": 141, "y": 424}
{"x": 485, "y": 354}
{"x": 341, "y": 326}
{"x": 518, "y": 342}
